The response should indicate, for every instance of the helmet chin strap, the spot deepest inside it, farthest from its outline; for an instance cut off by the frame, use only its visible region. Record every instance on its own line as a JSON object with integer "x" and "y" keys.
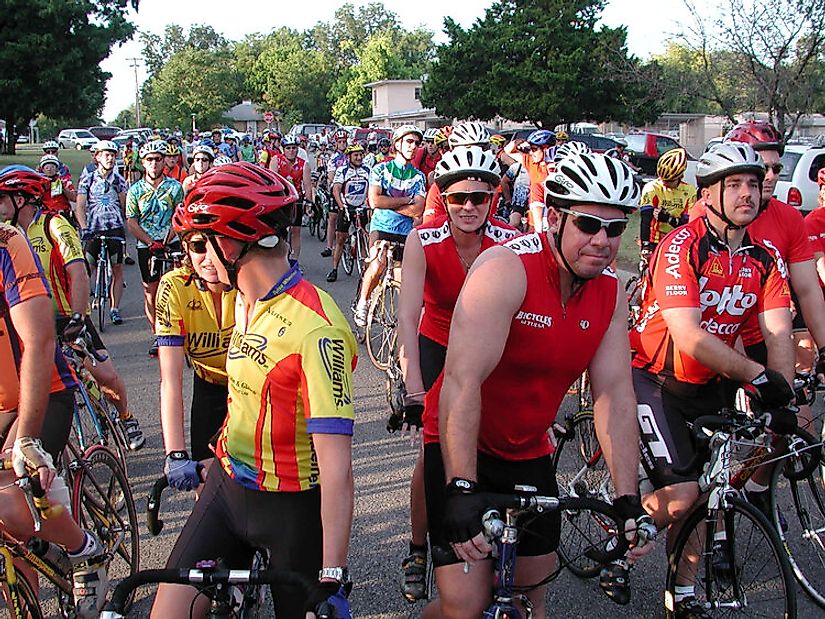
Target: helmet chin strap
{"x": 231, "y": 267}
{"x": 578, "y": 280}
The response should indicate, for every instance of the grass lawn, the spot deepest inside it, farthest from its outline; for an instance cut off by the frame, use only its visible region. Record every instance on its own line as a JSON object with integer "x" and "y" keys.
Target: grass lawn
{"x": 628, "y": 257}
{"x": 29, "y": 154}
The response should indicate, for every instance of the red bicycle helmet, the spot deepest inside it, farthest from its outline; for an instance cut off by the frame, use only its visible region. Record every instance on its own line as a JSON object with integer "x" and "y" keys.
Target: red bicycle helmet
{"x": 759, "y": 134}
{"x": 22, "y": 179}
{"x": 238, "y": 200}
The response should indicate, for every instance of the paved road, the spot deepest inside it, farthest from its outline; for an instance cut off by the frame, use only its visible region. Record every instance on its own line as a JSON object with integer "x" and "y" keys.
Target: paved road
{"x": 382, "y": 465}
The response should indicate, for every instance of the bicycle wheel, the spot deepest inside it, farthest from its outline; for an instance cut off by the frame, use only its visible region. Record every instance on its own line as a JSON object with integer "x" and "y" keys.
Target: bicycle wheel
{"x": 347, "y": 256}
{"x": 581, "y": 472}
{"x": 757, "y": 582}
{"x": 117, "y": 439}
{"x": 362, "y": 250}
{"x": 322, "y": 202}
{"x": 313, "y": 218}
{"x": 94, "y": 424}
{"x": 254, "y": 597}
{"x": 26, "y": 599}
{"x": 102, "y": 502}
{"x": 381, "y": 323}
{"x": 798, "y": 509}
{"x": 102, "y": 291}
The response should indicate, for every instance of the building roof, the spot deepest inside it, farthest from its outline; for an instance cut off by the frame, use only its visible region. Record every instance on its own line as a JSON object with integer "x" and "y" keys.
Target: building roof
{"x": 421, "y": 113}
{"x": 244, "y": 111}
{"x": 382, "y": 82}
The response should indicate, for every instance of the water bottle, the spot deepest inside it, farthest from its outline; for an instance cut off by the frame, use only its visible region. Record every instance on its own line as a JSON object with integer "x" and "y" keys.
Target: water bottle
{"x": 53, "y": 554}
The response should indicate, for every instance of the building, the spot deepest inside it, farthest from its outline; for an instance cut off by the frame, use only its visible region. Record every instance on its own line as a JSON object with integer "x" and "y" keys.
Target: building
{"x": 398, "y": 102}
{"x": 246, "y": 117}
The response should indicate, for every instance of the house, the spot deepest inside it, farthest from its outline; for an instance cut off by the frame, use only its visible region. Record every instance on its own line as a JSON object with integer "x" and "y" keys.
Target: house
{"x": 247, "y": 118}
{"x": 398, "y": 102}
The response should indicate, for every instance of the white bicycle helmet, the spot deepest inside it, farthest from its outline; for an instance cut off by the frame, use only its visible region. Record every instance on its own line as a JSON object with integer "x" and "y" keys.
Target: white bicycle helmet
{"x": 155, "y": 147}
{"x": 570, "y": 148}
{"x": 469, "y": 134}
{"x": 204, "y": 150}
{"x": 403, "y": 130}
{"x": 221, "y": 160}
{"x": 590, "y": 178}
{"x": 728, "y": 158}
{"x": 430, "y": 134}
{"x": 466, "y": 163}
{"x": 106, "y": 145}
{"x": 49, "y": 159}
{"x": 49, "y": 144}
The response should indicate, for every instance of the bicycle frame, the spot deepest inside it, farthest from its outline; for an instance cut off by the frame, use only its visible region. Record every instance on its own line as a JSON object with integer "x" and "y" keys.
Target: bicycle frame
{"x": 11, "y": 549}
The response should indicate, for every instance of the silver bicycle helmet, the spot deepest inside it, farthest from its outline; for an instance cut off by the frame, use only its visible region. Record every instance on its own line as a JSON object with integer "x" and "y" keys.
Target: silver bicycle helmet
{"x": 591, "y": 178}
{"x": 106, "y": 145}
{"x": 203, "y": 149}
{"x": 155, "y": 147}
{"x": 221, "y": 160}
{"x": 728, "y": 158}
{"x": 403, "y": 130}
{"x": 466, "y": 162}
{"x": 570, "y": 148}
{"x": 49, "y": 144}
{"x": 469, "y": 134}
{"x": 430, "y": 134}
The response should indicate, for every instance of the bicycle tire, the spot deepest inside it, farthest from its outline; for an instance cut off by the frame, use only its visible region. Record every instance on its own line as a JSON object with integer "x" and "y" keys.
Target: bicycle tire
{"x": 347, "y": 257}
{"x": 762, "y": 572}
{"x": 314, "y": 218}
{"x": 804, "y": 518}
{"x": 580, "y": 472}
{"x": 381, "y": 324}
{"x": 102, "y": 502}
{"x": 322, "y": 200}
{"x": 253, "y": 604}
{"x": 362, "y": 250}
{"x": 102, "y": 289}
{"x": 29, "y": 602}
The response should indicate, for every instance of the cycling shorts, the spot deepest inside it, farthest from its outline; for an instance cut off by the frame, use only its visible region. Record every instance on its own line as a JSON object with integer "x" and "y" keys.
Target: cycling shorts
{"x": 208, "y": 412}
{"x": 231, "y": 522}
{"x": 431, "y": 357}
{"x": 376, "y": 236}
{"x": 343, "y": 224}
{"x": 665, "y": 407}
{"x": 297, "y": 214}
{"x": 57, "y": 423}
{"x": 115, "y": 248}
{"x": 94, "y": 336}
{"x": 539, "y": 535}
{"x": 144, "y": 256}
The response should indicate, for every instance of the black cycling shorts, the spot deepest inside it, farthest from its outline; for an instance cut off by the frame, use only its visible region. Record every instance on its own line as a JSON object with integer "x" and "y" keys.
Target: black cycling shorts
{"x": 376, "y": 236}
{"x": 540, "y": 534}
{"x": 115, "y": 248}
{"x": 798, "y": 317}
{"x": 297, "y": 214}
{"x": 231, "y": 522}
{"x": 665, "y": 406}
{"x": 207, "y": 414}
{"x": 431, "y": 357}
{"x": 57, "y": 423}
{"x": 343, "y": 224}
{"x": 144, "y": 258}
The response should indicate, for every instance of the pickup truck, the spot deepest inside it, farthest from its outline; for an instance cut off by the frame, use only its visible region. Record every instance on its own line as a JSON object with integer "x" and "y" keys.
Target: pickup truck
{"x": 646, "y": 148}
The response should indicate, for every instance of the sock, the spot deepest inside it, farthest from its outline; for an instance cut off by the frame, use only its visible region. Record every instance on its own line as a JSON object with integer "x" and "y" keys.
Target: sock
{"x": 681, "y": 592}
{"x": 720, "y": 536}
{"x": 362, "y": 303}
{"x": 88, "y": 544}
{"x": 752, "y": 486}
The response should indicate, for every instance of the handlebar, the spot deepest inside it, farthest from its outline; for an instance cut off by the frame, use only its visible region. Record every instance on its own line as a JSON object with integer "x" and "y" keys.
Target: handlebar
{"x": 83, "y": 347}
{"x": 153, "y": 521}
{"x": 35, "y": 495}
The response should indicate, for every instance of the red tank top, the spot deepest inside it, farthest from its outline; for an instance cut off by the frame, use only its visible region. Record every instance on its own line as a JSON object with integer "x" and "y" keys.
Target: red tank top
{"x": 293, "y": 171}
{"x": 446, "y": 273}
{"x": 547, "y": 349}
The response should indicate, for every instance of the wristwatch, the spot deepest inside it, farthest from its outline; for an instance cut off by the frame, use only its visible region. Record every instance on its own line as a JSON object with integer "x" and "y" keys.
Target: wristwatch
{"x": 341, "y": 574}
{"x": 77, "y": 317}
{"x": 411, "y": 200}
{"x": 178, "y": 455}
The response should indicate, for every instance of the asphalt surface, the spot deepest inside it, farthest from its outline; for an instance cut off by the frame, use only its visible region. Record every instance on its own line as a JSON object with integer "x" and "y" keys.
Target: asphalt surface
{"x": 382, "y": 468}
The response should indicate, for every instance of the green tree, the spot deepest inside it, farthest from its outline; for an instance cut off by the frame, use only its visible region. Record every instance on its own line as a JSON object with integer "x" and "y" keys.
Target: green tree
{"x": 125, "y": 119}
{"x": 542, "y": 61}
{"x": 52, "y": 53}
{"x": 350, "y": 30}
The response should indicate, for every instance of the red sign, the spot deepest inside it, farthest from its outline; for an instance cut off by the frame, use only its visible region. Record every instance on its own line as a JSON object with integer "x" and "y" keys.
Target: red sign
{"x": 268, "y": 117}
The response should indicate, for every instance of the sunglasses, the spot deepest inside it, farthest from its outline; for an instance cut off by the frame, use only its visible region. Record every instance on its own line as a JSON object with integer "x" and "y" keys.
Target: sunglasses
{"x": 202, "y": 159}
{"x": 458, "y": 198}
{"x": 776, "y": 168}
{"x": 50, "y": 151}
{"x": 197, "y": 246}
{"x": 590, "y": 224}
{"x": 153, "y": 159}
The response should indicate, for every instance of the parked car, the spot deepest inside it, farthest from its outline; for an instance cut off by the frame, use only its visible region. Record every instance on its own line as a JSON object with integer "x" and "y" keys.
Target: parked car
{"x": 597, "y": 143}
{"x": 76, "y": 138}
{"x": 22, "y": 139}
{"x": 104, "y": 133}
{"x": 797, "y": 181}
{"x": 143, "y": 134}
{"x": 360, "y": 134}
{"x": 308, "y": 129}
{"x": 646, "y": 148}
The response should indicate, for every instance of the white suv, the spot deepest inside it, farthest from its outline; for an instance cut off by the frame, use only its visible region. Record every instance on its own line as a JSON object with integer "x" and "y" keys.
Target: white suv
{"x": 797, "y": 181}
{"x": 76, "y": 138}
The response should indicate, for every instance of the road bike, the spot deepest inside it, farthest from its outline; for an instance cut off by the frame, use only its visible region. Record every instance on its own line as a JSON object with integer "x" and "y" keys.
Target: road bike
{"x": 380, "y": 331}
{"x": 102, "y": 289}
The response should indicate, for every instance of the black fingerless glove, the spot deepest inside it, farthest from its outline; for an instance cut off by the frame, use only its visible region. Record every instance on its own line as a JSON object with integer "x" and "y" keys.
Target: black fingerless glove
{"x": 463, "y": 510}
{"x": 782, "y": 420}
{"x": 770, "y": 389}
{"x": 413, "y": 414}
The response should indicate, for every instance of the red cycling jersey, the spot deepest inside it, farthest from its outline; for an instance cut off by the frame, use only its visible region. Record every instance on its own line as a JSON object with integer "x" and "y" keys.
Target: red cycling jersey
{"x": 446, "y": 273}
{"x": 293, "y": 171}
{"x": 424, "y": 162}
{"x": 548, "y": 347}
{"x": 815, "y": 228}
{"x": 693, "y": 268}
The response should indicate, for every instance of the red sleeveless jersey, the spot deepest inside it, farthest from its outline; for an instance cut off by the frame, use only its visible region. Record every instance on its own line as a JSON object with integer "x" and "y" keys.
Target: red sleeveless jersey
{"x": 446, "y": 273}
{"x": 293, "y": 172}
{"x": 547, "y": 349}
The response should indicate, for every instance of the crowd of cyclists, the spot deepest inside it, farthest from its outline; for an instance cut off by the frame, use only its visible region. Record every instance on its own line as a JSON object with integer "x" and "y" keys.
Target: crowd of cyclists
{"x": 508, "y": 294}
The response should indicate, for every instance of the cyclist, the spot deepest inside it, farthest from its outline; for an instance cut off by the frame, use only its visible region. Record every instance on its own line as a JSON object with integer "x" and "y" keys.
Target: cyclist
{"x": 36, "y": 401}
{"x": 515, "y": 188}
{"x": 537, "y": 161}
{"x": 202, "y": 158}
{"x": 289, "y": 364}
{"x": 706, "y": 280}
{"x": 428, "y": 155}
{"x": 338, "y": 159}
{"x": 383, "y": 154}
{"x": 396, "y": 197}
{"x": 561, "y": 137}
{"x": 349, "y": 190}
{"x": 194, "y": 319}
{"x": 247, "y": 150}
{"x": 665, "y": 200}
{"x": 497, "y": 142}
{"x": 437, "y": 257}
{"x": 172, "y": 163}
{"x": 61, "y": 191}
{"x": 322, "y": 157}
{"x": 549, "y": 308}
{"x": 50, "y": 147}
{"x": 101, "y": 201}
{"x": 296, "y": 171}
{"x": 815, "y": 228}
{"x": 150, "y": 203}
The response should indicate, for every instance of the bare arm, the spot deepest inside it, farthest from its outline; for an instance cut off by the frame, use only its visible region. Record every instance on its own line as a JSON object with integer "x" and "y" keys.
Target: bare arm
{"x": 307, "y": 182}
{"x": 79, "y": 292}
{"x": 805, "y": 284}
{"x": 80, "y": 210}
{"x": 820, "y": 267}
{"x": 410, "y": 303}
{"x": 171, "y": 397}
{"x": 707, "y": 349}
{"x": 334, "y": 453}
{"x": 138, "y": 232}
{"x": 492, "y": 293}
{"x": 614, "y": 402}
{"x": 33, "y": 319}
{"x": 336, "y": 194}
{"x": 776, "y": 328}
{"x": 71, "y": 194}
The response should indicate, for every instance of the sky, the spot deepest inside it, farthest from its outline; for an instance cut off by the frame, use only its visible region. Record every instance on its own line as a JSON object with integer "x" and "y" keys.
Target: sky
{"x": 649, "y": 23}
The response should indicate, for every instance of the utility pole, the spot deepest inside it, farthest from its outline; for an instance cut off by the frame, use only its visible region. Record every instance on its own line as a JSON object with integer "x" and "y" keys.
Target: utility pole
{"x": 135, "y": 64}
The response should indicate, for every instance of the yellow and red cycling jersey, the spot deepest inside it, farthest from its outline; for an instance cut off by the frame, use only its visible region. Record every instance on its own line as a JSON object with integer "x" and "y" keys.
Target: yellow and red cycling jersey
{"x": 675, "y": 202}
{"x": 290, "y": 370}
{"x": 185, "y": 316}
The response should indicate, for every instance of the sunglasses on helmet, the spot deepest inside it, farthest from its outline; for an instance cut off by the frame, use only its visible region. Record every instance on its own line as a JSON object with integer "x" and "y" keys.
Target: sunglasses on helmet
{"x": 590, "y": 224}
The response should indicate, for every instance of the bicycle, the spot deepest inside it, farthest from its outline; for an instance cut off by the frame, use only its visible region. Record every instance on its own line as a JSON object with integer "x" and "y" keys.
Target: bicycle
{"x": 726, "y": 548}
{"x": 380, "y": 330}
{"x": 102, "y": 288}
{"x": 504, "y": 534}
{"x": 356, "y": 245}
{"x": 170, "y": 258}
{"x": 322, "y": 204}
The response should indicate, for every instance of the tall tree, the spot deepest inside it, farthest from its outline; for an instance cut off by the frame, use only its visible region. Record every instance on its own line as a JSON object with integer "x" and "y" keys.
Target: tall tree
{"x": 542, "y": 61}
{"x": 52, "y": 53}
